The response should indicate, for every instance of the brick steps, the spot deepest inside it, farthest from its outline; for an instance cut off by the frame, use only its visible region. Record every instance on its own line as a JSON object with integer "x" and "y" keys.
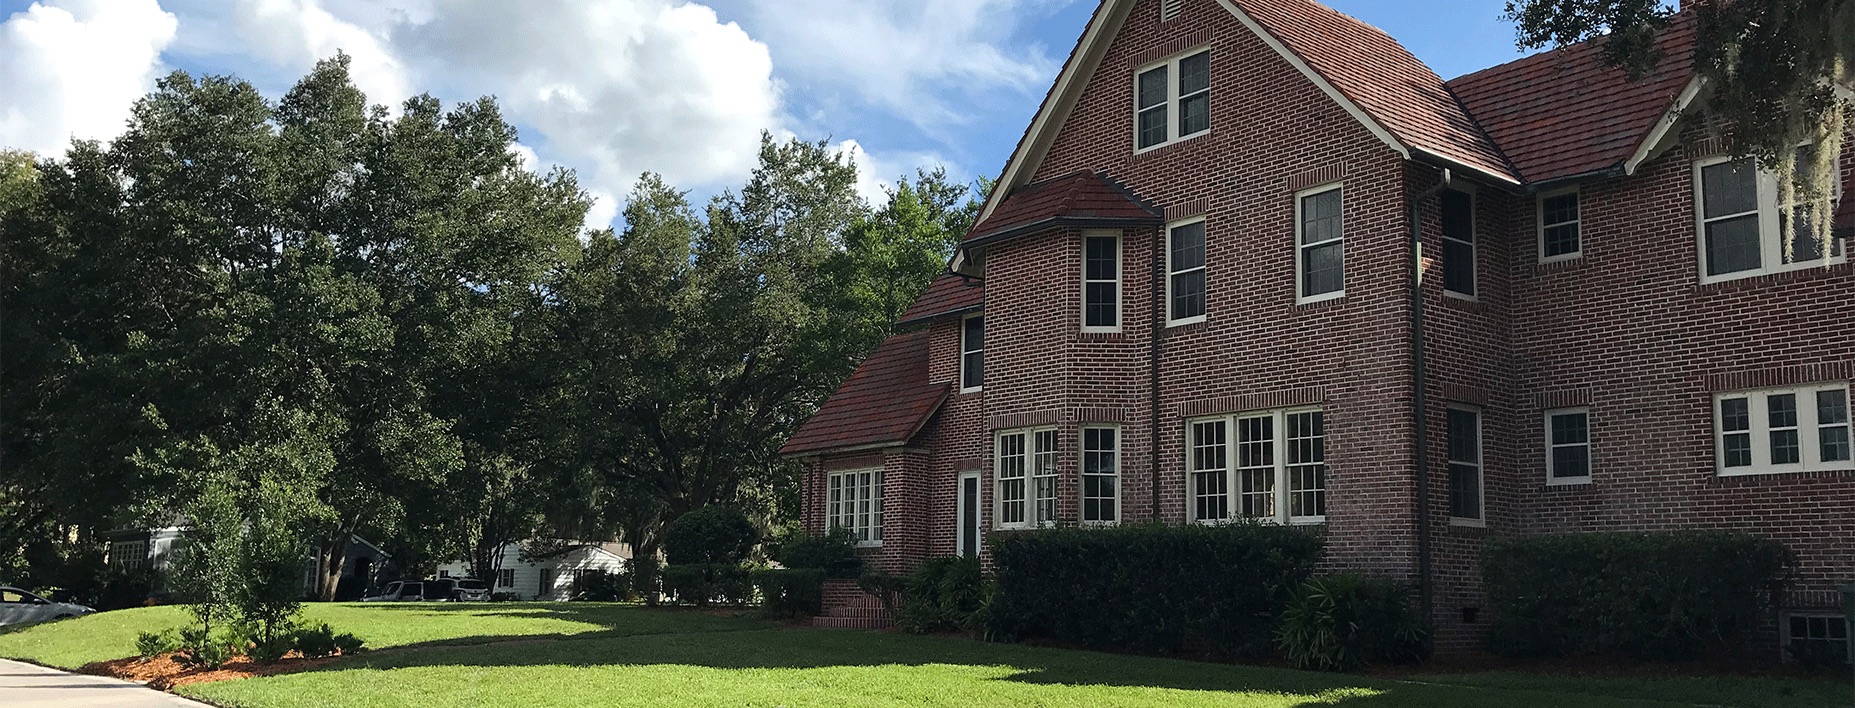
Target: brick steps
{"x": 847, "y": 607}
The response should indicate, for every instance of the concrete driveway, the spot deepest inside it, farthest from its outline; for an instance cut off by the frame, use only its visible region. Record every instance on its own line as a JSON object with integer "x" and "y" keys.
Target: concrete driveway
{"x": 31, "y": 686}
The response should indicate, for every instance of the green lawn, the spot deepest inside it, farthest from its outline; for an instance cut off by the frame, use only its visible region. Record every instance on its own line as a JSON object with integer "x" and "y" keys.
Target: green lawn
{"x": 598, "y": 655}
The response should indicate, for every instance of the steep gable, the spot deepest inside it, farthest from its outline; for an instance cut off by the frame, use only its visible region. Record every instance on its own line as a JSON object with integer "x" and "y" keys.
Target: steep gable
{"x": 885, "y": 402}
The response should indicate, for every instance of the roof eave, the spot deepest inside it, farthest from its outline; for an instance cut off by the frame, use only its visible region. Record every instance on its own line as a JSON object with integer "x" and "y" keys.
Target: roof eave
{"x": 995, "y": 237}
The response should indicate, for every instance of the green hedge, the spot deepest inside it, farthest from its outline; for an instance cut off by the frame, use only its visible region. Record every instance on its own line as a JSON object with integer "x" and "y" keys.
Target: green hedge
{"x": 1150, "y": 587}
{"x": 703, "y": 584}
{"x": 791, "y": 592}
{"x": 835, "y": 552}
{"x": 1668, "y": 596}
{"x": 943, "y": 595}
{"x": 1346, "y": 620}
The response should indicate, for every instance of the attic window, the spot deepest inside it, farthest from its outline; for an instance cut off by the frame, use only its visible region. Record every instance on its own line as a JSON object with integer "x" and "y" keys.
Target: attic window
{"x": 1181, "y": 87}
{"x": 1169, "y": 9}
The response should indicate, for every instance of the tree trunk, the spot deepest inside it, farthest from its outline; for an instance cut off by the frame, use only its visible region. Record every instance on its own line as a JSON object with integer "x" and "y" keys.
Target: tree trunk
{"x": 332, "y": 557}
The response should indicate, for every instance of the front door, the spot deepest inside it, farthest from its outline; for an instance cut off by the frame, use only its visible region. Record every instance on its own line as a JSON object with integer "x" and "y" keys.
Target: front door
{"x": 969, "y": 514}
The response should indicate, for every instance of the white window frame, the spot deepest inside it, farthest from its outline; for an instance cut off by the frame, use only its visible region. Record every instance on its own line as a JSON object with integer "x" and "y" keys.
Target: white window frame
{"x": 1282, "y": 494}
{"x": 1204, "y": 267}
{"x": 505, "y": 577}
{"x": 1082, "y": 473}
{"x": 1301, "y": 298}
{"x": 1770, "y": 245}
{"x": 959, "y": 523}
{"x": 1589, "y": 458}
{"x": 844, "y": 490}
{"x": 1030, "y": 498}
{"x": 1540, "y": 225}
{"x": 1785, "y": 639}
{"x": 1480, "y": 464}
{"x": 129, "y": 555}
{"x": 964, "y": 352}
{"x": 1120, "y": 269}
{"x": 1809, "y": 430}
{"x": 1174, "y": 101}
{"x": 1474, "y": 245}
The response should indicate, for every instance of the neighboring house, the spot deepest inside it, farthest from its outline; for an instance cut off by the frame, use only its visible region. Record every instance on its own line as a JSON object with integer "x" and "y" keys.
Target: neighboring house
{"x": 1189, "y": 298}
{"x": 152, "y": 549}
{"x": 549, "y": 578}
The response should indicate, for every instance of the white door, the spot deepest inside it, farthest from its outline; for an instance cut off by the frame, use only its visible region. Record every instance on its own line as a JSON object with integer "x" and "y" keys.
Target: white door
{"x": 968, "y": 515}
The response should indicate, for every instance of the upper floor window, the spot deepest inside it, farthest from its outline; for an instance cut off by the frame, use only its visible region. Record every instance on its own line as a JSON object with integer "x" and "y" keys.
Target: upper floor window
{"x": 1172, "y": 100}
{"x": 1559, "y": 227}
{"x": 1740, "y": 222}
{"x": 1101, "y": 282}
{"x": 1185, "y": 244}
{"x": 972, "y": 353}
{"x": 854, "y": 503}
{"x": 1101, "y": 474}
{"x": 128, "y": 554}
{"x": 1568, "y": 446}
{"x": 1024, "y": 468}
{"x": 1782, "y": 430}
{"x": 1465, "y": 478}
{"x": 1458, "y": 243}
{"x": 1320, "y": 259}
{"x": 1269, "y": 465}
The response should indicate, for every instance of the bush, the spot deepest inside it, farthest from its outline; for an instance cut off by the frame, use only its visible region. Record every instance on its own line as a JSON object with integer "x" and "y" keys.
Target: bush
{"x": 153, "y": 644}
{"x": 711, "y": 535}
{"x": 1150, "y": 587}
{"x": 835, "y": 552}
{"x": 321, "y": 640}
{"x": 348, "y": 644}
{"x": 505, "y": 597}
{"x": 942, "y": 595}
{"x": 272, "y": 650}
{"x": 1344, "y": 621}
{"x": 1664, "y": 596}
{"x": 703, "y": 584}
{"x": 602, "y": 586}
{"x": 887, "y": 589}
{"x": 791, "y": 592}
{"x": 199, "y": 649}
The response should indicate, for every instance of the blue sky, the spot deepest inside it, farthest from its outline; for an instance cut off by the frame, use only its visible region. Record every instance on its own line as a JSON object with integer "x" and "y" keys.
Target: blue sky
{"x": 613, "y": 88}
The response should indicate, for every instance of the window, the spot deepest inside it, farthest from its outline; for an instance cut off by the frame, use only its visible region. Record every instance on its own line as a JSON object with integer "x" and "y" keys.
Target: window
{"x": 1740, "y": 221}
{"x": 1818, "y": 638}
{"x": 972, "y": 353}
{"x": 1268, "y": 465}
{"x": 444, "y": 574}
{"x": 128, "y": 554}
{"x": 1025, "y": 462}
{"x": 1185, "y": 273}
{"x": 547, "y": 581}
{"x": 1158, "y": 97}
{"x": 1559, "y": 227}
{"x": 854, "y": 502}
{"x": 505, "y": 578}
{"x": 1458, "y": 243}
{"x": 1101, "y": 475}
{"x": 1568, "y": 446}
{"x": 1465, "y": 483}
{"x": 1101, "y": 283}
{"x": 1782, "y": 430}
{"x": 1320, "y": 259}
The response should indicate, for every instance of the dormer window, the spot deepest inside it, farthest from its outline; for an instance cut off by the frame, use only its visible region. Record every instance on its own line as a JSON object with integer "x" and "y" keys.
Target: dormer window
{"x": 1172, "y": 100}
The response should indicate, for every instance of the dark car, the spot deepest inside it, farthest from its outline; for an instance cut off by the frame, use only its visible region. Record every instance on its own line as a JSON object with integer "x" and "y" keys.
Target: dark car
{"x": 439, "y": 590}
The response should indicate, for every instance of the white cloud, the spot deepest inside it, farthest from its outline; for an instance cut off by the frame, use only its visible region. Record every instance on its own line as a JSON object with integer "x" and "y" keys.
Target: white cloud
{"x": 295, "y": 34}
{"x": 876, "y": 176}
{"x": 73, "y": 68}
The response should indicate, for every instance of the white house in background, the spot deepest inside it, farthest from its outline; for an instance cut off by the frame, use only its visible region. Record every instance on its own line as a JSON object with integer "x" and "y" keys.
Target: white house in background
{"x": 152, "y": 548}
{"x": 551, "y": 578}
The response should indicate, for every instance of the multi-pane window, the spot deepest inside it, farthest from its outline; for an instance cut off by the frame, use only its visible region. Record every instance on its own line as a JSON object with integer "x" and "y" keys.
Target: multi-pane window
{"x": 1818, "y": 638}
{"x": 505, "y": 578}
{"x": 1465, "y": 478}
{"x": 972, "y": 353}
{"x": 128, "y": 554}
{"x": 1458, "y": 242}
{"x": 1101, "y": 283}
{"x": 1568, "y": 446}
{"x": 1741, "y": 221}
{"x": 1266, "y": 465}
{"x": 1024, "y": 469}
{"x": 1320, "y": 245}
{"x": 1559, "y": 227}
{"x": 1179, "y": 87}
{"x": 1782, "y": 430}
{"x": 1101, "y": 475}
{"x": 854, "y": 503}
{"x": 1185, "y": 272}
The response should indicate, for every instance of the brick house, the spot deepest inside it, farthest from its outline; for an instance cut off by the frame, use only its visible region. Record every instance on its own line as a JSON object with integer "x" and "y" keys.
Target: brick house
{"x": 1193, "y": 296}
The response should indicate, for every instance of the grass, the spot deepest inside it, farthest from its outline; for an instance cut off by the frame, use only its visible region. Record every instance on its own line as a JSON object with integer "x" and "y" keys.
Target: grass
{"x": 612, "y": 655}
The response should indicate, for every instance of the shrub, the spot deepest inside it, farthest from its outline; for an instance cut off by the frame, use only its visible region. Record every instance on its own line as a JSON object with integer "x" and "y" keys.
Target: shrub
{"x": 1344, "y": 621}
{"x": 200, "y": 649}
{"x": 505, "y": 597}
{"x": 835, "y": 552}
{"x": 347, "y": 643}
{"x": 153, "y": 644}
{"x": 791, "y": 592}
{"x": 711, "y": 535}
{"x": 602, "y": 586}
{"x": 703, "y": 584}
{"x": 272, "y": 650}
{"x": 941, "y": 595}
{"x": 316, "y": 642}
{"x": 1666, "y": 596}
{"x": 1150, "y": 587}
{"x": 887, "y": 588}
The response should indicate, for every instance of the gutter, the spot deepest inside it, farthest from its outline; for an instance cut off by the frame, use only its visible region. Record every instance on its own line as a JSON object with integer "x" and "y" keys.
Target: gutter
{"x": 1420, "y": 406}
{"x": 1159, "y": 325}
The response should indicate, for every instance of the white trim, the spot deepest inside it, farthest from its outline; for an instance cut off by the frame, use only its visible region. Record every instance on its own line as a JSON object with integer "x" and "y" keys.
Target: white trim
{"x": 1539, "y": 224}
{"x": 1173, "y": 103}
{"x": 1785, "y": 637}
{"x": 1480, "y": 464}
{"x": 1280, "y": 493}
{"x": 960, "y": 511}
{"x": 1300, "y": 271}
{"x": 1770, "y": 240}
{"x": 1206, "y": 268}
{"x": 1662, "y": 125}
{"x": 1589, "y": 458}
{"x": 1120, "y": 281}
{"x": 1082, "y": 474}
{"x": 1758, "y": 430}
{"x": 868, "y": 535}
{"x": 964, "y": 351}
{"x": 1029, "y": 477}
{"x": 1319, "y": 81}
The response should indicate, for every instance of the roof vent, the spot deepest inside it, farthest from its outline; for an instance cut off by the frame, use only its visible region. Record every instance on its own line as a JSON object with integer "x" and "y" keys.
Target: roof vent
{"x": 1169, "y": 9}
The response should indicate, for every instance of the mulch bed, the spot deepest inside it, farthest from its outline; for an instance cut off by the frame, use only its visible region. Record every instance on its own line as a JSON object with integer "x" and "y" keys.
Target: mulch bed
{"x": 163, "y": 672}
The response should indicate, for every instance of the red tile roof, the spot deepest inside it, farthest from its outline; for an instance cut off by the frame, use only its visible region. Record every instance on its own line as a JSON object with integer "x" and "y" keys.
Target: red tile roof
{"x": 948, "y": 294}
{"x": 1076, "y": 199}
{"x": 885, "y": 401}
{"x": 1380, "y": 76}
{"x": 1564, "y": 112}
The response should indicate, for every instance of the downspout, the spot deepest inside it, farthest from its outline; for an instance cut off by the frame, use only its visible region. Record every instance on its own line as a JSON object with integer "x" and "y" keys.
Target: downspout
{"x": 1159, "y": 324}
{"x": 1420, "y": 434}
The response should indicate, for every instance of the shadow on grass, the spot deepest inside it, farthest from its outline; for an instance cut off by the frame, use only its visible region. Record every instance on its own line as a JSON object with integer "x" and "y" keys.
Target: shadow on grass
{"x": 600, "y": 620}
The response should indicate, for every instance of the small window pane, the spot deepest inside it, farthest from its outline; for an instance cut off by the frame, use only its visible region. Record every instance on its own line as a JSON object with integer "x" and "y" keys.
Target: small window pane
{"x": 1153, "y": 87}
{"x": 1320, "y": 217}
{"x": 1101, "y": 309}
{"x": 1458, "y": 215}
{"x": 1188, "y": 295}
{"x": 1195, "y": 114}
{"x": 1732, "y": 245}
{"x": 1729, "y": 188}
{"x": 1464, "y": 442}
{"x": 1569, "y": 428}
{"x": 1100, "y": 263}
{"x": 1323, "y": 269}
{"x": 1832, "y": 417}
{"x": 1194, "y": 73}
{"x": 1571, "y": 461}
{"x": 1153, "y": 126}
{"x": 1560, "y": 209}
{"x": 1459, "y": 267}
{"x": 1188, "y": 246}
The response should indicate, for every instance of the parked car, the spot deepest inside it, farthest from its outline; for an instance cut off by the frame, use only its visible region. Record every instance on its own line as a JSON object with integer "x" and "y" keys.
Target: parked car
{"x": 439, "y": 590}
{"x": 20, "y": 607}
{"x": 472, "y": 590}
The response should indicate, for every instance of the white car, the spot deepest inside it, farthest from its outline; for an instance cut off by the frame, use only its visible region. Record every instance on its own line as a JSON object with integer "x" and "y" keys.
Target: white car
{"x": 20, "y": 607}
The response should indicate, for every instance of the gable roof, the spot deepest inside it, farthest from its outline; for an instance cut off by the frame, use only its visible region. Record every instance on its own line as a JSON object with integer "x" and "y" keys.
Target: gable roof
{"x": 1080, "y": 199}
{"x": 1564, "y": 113}
{"x": 950, "y": 294}
{"x": 883, "y": 403}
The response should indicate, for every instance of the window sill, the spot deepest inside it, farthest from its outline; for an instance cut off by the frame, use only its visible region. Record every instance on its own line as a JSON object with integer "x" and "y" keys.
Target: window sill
{"x": 1784, "y": 274}
{"x": 1559, "y": 264}
{"x": 869, "y": 544}
{"x": 1318, "y": 299}
{"x": 1468, "y": 523}
{"x": 1451, "y": 294}
{"x": 1307, "y": 521}
{"x": 1770, "y": 472}
{"x": 976, "y": 389}
{"x": 1185, "y": 322}
{"x": 1165, "y": 147}
{"x": 1565, "y": 482}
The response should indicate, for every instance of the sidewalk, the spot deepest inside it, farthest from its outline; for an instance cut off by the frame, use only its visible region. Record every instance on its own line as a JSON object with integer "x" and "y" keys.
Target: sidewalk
{"x": 32, "y": 686}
